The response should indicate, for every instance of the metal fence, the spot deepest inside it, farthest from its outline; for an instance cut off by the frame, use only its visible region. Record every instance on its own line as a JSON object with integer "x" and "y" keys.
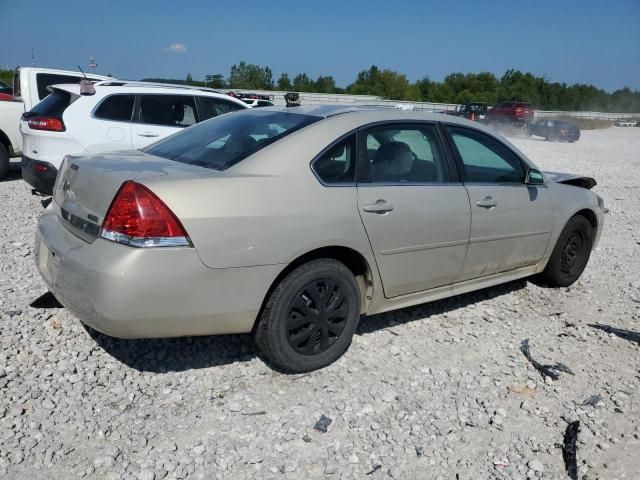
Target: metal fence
{"x": 307, "y": 98}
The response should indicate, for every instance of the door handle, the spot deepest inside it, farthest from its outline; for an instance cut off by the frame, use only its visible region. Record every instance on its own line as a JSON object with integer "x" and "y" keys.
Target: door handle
{"x": 148, "y": 134}
{"x": 381, "y": 206}
{"x": 488, "y": 202}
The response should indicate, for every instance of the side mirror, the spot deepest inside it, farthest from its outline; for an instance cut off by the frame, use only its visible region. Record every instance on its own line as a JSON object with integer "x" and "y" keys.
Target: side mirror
{"x": 534, "y": 177}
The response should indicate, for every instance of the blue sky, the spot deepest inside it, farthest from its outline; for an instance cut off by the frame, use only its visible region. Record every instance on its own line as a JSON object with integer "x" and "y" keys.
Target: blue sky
{"x": 569, "y": 41}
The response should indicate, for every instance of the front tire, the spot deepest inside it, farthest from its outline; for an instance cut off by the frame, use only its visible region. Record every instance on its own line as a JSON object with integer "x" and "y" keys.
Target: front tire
{"x": 4, "y": 161}
{"x": 571, "y": 253}
{"x": 310, "y": 317}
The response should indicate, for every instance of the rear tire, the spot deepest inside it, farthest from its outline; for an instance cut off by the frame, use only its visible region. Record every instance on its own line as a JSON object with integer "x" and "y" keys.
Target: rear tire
{"x": 310, "y": 317}
{"x": 570, "y": 255}
{"x": 4, "y": 161}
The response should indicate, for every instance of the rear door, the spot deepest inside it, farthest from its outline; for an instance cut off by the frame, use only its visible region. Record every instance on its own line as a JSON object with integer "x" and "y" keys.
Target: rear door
{"x": 510, "y": 221}
{"x": 414, "y": 208}
{"x": 160, "y": 115}
{"x": 111, "y": 128}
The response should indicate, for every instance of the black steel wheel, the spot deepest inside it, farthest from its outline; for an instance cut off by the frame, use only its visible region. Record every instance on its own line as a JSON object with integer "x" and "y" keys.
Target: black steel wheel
{"x": 571, "y": 253}
{"x": 310, "y": 317}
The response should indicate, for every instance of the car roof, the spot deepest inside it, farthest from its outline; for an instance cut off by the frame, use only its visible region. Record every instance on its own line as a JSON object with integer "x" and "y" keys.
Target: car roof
{"x": 105, "y": 88}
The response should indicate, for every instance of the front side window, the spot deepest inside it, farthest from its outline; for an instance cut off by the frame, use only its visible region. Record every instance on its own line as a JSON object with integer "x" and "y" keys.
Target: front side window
{"x": 168, "y": 110}
{"x": 337, "y": 166}
{"x": 209, "y": 107}
{"x": 118, "y": 108}
{"x": 485, "y": 159}
{"x": 405, "y": 154}
{"x": 227, "y": 140}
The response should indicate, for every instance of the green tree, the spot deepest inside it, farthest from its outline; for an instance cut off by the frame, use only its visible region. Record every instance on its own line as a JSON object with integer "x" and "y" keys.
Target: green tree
{"x": 324, "y": 85}
{"x": 284, "y": 83}
{"x": 215, "y": 80}
{"x": 250, "y": 76}
{"x": 302, "y": 83}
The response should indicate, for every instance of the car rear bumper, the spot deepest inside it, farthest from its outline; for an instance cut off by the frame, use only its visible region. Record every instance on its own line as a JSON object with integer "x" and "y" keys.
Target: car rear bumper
{"x": 130, "y": 292}
{"x": 40, "y": 175}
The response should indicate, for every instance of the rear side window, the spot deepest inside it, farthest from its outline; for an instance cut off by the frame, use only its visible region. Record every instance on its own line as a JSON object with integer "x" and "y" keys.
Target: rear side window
{"x": 53, "y": 105}
{"x": 169, "y": 110}
{"x": 209, "y": 107}
{"x": 225, "y": 141}
{"x": 117, "y": 108}
{"x": 337, "y": 166}
{"x": 43, "y": 80}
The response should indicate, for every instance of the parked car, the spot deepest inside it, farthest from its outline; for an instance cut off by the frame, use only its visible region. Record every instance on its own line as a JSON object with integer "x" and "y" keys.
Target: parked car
{"x": 119, "y": 116}
{"x": 6, "y": 91}
{"x": 291, "y": 223}
{"x": 553, "y": 130}
{"x": 514, "y": 112}
{"x": 471, "y": 111}
{"x": 29, "y": 87}
{"x": 625, "y": 123}
{"x": 255, "y": 102}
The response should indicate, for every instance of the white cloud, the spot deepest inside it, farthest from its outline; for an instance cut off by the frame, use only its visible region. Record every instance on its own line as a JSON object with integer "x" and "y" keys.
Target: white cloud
{"x": 176, "y": 48}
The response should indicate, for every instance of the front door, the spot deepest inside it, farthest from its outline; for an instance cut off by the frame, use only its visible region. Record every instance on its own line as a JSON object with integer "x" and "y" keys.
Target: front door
{"x": 511, "y": 221}
{"x": 414, "y": 209}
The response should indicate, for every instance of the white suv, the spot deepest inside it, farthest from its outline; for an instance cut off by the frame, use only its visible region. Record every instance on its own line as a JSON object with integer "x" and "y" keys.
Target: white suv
{"x": 119, "y": 116}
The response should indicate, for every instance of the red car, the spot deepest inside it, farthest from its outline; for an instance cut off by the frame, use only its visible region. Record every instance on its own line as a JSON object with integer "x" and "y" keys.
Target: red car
{"x": 520, "y": 112}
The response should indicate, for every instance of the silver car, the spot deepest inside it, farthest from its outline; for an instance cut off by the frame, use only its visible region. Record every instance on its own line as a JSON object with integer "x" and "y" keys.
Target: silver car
{"x": 293, "y": 223}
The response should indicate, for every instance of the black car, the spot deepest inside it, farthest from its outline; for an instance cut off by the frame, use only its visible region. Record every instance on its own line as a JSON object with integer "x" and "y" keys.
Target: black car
{"x": 554, "y": 130}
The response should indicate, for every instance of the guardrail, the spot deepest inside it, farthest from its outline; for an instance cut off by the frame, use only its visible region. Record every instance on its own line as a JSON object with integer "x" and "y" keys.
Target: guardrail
{"x": 307, "y": 98}
{"x": 587, "y": 115}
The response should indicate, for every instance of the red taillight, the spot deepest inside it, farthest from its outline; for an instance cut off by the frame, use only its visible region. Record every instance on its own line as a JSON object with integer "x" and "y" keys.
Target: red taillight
{"x": 46, "y": 123}
{"x": 6, "y": 97}
{"x": 137, "y": 217}
{"x": 38, "y": 167}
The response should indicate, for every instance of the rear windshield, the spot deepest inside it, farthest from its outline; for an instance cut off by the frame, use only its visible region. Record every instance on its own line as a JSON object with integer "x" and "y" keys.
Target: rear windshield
{"x": 52, "y": 106}
{"x": 224, "y": 141}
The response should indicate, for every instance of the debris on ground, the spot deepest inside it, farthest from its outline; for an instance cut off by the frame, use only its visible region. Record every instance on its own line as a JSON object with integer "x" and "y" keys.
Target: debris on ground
{"x": 569, "y": 453}
{"x": 592, "y": 401}
{"x": 322, "y": 425}
{"x": 545, "y": 370}
{"x": 375, "y": 468}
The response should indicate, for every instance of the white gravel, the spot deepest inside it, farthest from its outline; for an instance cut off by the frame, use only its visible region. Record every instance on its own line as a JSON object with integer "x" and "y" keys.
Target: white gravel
{"x": 435, "y": 391}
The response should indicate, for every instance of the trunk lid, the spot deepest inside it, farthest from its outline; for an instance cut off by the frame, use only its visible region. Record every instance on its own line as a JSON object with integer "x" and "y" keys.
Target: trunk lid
{"x": 86, "y": 186}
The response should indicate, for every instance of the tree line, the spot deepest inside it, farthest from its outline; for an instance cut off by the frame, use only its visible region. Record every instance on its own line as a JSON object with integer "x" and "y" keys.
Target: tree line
{"x": 455, "y": 88}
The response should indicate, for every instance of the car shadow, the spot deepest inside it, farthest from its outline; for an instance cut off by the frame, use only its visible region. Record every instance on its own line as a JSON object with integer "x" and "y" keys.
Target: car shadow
{"x": 14, "y": 173}
{"x": 629, "y": 335}
{"x": 424, "y": 311}
{"x": 186, "y": 353}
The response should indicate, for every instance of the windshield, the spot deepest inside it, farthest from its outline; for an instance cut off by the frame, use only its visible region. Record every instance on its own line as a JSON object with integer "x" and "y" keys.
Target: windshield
{"x": 224, "y": 141}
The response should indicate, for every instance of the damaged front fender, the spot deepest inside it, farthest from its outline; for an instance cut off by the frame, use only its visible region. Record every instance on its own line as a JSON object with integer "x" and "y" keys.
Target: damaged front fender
{"x": 571, "y": 179}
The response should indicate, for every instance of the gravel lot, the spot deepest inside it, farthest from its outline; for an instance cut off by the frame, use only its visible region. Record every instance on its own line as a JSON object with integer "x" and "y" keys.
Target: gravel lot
{"x": 436, "y": 391}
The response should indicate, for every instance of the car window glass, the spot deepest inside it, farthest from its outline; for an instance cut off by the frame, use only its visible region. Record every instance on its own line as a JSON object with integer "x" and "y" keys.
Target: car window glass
{"x": 337, "y": 165}
{"x": 43, "y": 80}
{"x": 230, "y": 139}
{"x": 485, "y": 159}
{"x": 169, "y": 110}
{"x": 53, "y": 105}
{"x": 209, "y": 107}
{"x": 116, "y": 108}
{"x": 405, "y": 154}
